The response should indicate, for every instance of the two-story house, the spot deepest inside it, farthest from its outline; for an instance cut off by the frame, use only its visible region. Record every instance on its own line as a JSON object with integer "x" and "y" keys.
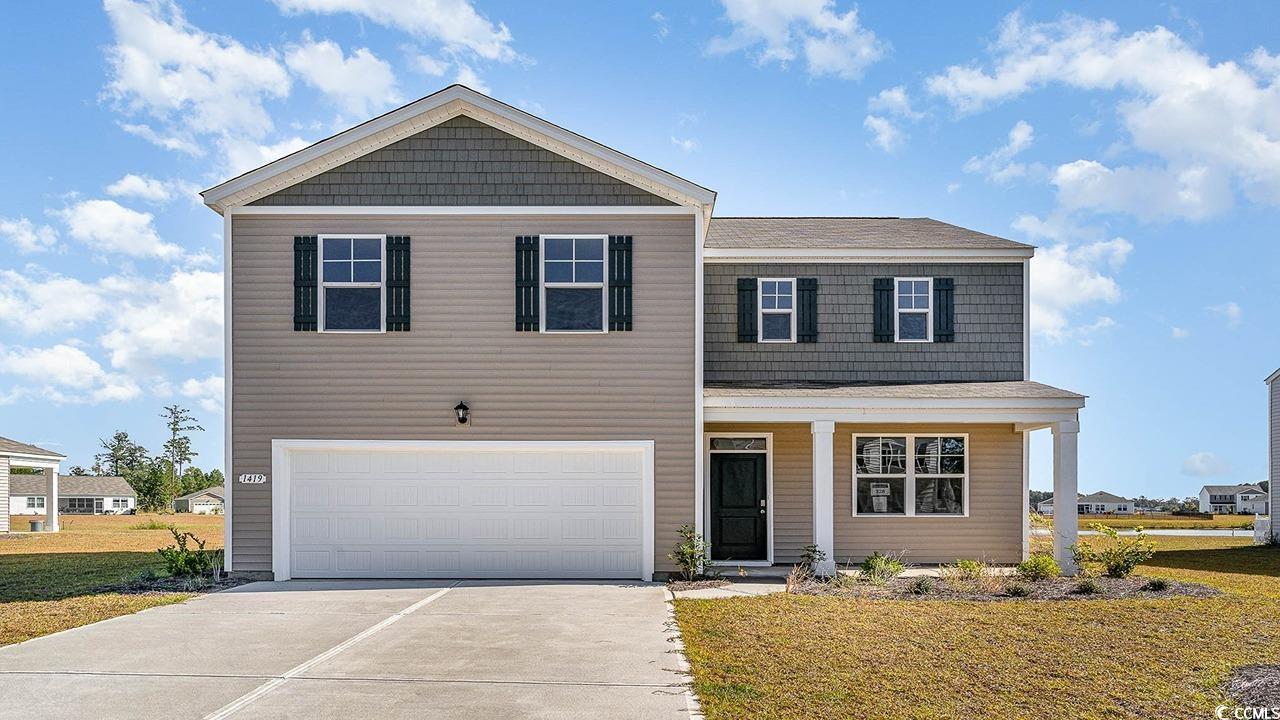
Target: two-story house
{"x": 1247, "y": 499}
{"x": 465, "y": 342}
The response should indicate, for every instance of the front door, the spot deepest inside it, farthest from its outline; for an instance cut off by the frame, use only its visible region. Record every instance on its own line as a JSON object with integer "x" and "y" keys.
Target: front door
{"x": 739, "y": 512}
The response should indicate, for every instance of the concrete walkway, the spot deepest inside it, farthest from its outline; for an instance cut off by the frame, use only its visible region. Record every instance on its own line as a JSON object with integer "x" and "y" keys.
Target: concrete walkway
{"x": 364, "y": 649}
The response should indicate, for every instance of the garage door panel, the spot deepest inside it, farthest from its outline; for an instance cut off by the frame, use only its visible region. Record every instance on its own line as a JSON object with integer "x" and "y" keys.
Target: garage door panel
{"x": 467, "y": 513}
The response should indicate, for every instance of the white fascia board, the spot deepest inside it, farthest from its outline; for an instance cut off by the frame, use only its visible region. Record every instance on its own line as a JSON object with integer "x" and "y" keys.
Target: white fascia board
{"x": 867, "y": 255}
{"x": 433, "y": 110}
{"x": 1273, "y": 377}
{"x": 1027, "y": 418}
{"x": 804, "y": 402}
{"x": 568, "y": 210}
{"x": 34, "y": 461}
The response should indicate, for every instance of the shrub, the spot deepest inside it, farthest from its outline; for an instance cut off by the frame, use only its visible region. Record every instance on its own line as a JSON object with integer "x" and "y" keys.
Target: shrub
{"x": 1156, "y": 585}
{"x": 691, "y": 553}
{"x": 151, "y": 524}
{"x": 923, "y": 585}
{"x": 1117, "y": 554}
{"x": 973, "y": 575}
{"x": 811, "y": 555}
{"x": 1088, "y": 586}
{"x": 1039, "y": 567}
{"x": 1017, "y": 589}
{"x": 182, "y": 561}
{"x": 882, "y": 567}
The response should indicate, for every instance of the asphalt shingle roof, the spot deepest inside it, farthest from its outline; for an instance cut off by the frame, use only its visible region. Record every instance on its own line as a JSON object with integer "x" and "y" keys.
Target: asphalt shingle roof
{"x": 1015, "y": 389}
{"x": 849, "y": 233}
{"x": 104, "y": 485}
{"x": 214, "y": 491}
{"x": 13, "y": 447}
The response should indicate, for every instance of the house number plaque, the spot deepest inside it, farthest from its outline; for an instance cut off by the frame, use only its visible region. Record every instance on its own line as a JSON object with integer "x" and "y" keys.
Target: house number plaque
{"x": 253, "y": 478}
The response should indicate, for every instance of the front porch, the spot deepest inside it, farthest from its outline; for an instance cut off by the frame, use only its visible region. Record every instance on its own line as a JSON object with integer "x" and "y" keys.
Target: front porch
{"x": 14, "y": 454}
{"x": 937, "y": 471}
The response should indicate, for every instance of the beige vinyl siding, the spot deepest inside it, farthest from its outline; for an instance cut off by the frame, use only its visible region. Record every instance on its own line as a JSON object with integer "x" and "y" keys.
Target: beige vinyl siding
{"x": 4, "y": 494}
{"x": 792, "y": 484}
{"x": 636, "y": 385}
{"x": 997, "y": 508}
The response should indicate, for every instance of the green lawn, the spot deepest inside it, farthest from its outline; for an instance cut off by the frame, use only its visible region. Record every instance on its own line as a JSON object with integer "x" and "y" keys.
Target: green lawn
{"x": 1169, "y": 522}
{"x": 788, "y": 656}
{"x": 53, "y": 581}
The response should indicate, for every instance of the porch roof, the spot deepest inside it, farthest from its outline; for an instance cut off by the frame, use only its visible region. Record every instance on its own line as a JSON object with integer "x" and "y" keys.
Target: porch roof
{"x": 22, "y": 454}
{"x": 1019, "y": 389}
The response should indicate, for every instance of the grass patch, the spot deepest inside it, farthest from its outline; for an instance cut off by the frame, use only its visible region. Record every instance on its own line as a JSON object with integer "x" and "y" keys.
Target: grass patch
{"x": 789, "y": 656}
{"x": 152, "y": 524}
{"x": 1169, "y": 522}
{"x": 54, "y": 581}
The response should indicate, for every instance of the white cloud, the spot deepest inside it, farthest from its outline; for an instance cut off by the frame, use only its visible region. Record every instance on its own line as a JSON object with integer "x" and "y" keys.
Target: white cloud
{"x": 469, "y": 77}
{"x": 952, "y": 188}
{"x": 998, "y": 165}
{"x": 189, "y": 81}
{"x": 141, "y": 187}
{"x": 360, "y": 84}
{"x": 63, "y": 373}
{"x": 209, "y": 392}
{"x": 37, "y": 302}
{"x": 832, "y": 43}
{"x": 1179, "y": 333}
{"x": 1209, "y": 126}
{"x": 1230, "y": 312}
{"x": 686, "y": 144}
{"x": 428, "y": 65}
{"x": 179, "y": 318}
{"x": 26, "y": 236}
{"x": 887, "y": 135}
{"x": 1205, "y": 464}
{"x": 454, "y": 23}
{"x": 663, "y": 29}
{"x": 1066, "y": 277}
{"x": 242, "y": 155}
{"x": 108, "y": 226}
{"x": 176, "y": 143}
{"x": 894, "y": 101}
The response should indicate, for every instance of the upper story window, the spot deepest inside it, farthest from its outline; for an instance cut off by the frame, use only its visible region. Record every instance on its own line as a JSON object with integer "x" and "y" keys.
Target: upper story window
{"x": 352, "y": 283}
{"x": 777, "y": 309}
{"x": 913, "y": 309}
{"x": 573, "y": 283}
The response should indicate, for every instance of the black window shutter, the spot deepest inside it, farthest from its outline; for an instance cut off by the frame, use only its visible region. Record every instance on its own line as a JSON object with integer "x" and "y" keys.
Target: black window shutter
{"x": 304, "y": 283}
{"x": 527, "y": 283}
{"x": 619, "y": 282}
{"x": 882, "y": 289}
{"x": 747, "y": 310}
{"x": 944, "y": 310}
{"x": 398, "y": 283}
{"x": 807, "y": 309}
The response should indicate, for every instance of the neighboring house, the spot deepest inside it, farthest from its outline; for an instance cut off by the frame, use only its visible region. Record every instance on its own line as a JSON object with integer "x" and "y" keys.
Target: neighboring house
{"x": 200, "y": 502}
{"x": 1234, "y": 499}
{"x": 1098, "y": 503}
{"x": 14, "y": 454}
{"x": 77, "y": 495}
{"x": 465, "y": 342}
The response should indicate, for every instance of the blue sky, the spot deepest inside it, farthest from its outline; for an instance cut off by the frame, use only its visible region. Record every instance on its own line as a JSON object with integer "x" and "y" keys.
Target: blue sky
{"x": 1137, "y": 144}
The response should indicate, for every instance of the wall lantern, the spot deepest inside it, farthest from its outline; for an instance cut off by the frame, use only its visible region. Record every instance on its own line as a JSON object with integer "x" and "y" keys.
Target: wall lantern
{"x": 462, "y": 412}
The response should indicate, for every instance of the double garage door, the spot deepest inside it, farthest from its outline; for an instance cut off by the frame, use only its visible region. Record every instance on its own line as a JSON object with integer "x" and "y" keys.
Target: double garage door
{"x": 463, "y": 510}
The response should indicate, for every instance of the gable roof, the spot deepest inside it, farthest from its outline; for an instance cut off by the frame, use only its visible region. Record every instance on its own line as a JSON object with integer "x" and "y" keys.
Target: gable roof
{"x": 1101, "y": 496}
{"x": 845, "y": 233}
{"x": 431, "y": 110}
{"x": 13, "y": 447}
{"x": 95, "y": 485}
{"x": 215, "y": 491}
{"x": 1272, "y": 377}
{"x": 1232, "y": 489}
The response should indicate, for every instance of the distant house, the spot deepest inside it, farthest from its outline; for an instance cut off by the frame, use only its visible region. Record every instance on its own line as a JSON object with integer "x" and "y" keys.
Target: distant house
{"x": 77, "y": 495}
{"x": 1098, "y": 503}
{"x": 1234, "y": 499}
{"x": 201, "y": 502}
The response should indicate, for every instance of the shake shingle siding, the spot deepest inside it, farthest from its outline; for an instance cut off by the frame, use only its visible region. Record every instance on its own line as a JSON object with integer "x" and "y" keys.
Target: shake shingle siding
{"x": 462, "y": 162}
{"x": 988, "y": 342}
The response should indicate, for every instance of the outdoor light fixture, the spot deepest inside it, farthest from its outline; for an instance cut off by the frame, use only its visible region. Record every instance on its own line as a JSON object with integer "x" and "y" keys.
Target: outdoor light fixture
{"x": 462, "y": 412}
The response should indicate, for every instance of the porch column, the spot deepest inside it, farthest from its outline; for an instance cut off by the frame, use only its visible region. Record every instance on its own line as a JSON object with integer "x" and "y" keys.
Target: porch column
{"x": 824, "y": 535}
{"x": 51, "y": 499}
{"x": 1066, "y": 437}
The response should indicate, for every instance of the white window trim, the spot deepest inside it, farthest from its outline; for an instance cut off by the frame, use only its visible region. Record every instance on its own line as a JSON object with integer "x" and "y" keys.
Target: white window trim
{"x": 761, "y": 311}
{"x": 909, "y": 484}
{"x": 322, "y": 285}
{"x": 543, "y": 285}
{"x": 35, "y": 502}
{"x": 768, "y": 485}
{"x": 928, "y": 314}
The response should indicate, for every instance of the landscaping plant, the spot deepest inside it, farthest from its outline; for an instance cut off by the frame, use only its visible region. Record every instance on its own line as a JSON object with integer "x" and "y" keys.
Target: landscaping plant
{"x": 1117, "y": 554}
{"x": 691, "y": 553}
{"x": 1156, "y": 585}
{"x": 811, "y": 555}
{"x": 1088, "y": 586}
{"x": 1017, "y": 589}
{"x": 1039, "y": 567}
{"x": 882, "y": 567}
{"x": 923, "y": 585}
{"x": 180, "y": 560}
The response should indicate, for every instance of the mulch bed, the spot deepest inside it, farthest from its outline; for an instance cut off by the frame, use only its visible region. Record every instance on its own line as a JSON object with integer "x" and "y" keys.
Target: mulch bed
{"x": 1255, "y": 686}
{"x": 995, "y": 589}
{"x": 147, "y": 586}
{"x": 678, "y": 585}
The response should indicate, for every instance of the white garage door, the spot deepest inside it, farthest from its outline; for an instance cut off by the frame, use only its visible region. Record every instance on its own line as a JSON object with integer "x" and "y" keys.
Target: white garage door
{"x": 465, "y": 509}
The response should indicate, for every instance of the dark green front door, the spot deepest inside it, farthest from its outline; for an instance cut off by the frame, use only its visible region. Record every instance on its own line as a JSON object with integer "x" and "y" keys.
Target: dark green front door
{"x": 739, "y": 516}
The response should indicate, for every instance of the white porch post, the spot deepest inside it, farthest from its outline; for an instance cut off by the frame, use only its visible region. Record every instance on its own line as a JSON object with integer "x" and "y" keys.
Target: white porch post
{"x": 51, "y": 499}
{"x": 1066, "y": 436}
{"x": 823, "y": 493}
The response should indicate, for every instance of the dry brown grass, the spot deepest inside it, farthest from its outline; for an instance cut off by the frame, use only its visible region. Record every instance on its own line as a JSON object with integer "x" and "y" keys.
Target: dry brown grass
{"x": 49, "y": 581}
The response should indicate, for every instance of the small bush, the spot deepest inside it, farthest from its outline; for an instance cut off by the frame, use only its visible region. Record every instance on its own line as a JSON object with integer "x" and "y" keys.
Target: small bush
{"x": 1088, "y": 586}
{"x": 182, "y": 561}
{"x": 1017, "y": 589}
{"x": 882, "y": 567}
{"x": 923, "y": 585}
{"x": 1039, "y": 567}
{"x": 973, "y": 575}
{"x": 811, "y": 555}
{"x": 151, "y": 524}
{"x": 1118, "y": 555}
{"x": 1156, "y": 585}
{"x": 691, "y": 553}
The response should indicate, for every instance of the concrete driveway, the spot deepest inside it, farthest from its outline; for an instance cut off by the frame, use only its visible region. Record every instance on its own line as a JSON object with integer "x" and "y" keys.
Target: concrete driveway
{"x": 363, "y": 649}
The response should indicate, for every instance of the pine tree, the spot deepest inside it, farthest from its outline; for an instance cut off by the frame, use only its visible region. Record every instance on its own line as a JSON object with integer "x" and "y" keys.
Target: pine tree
{"x": 121, "y": 455}
{"x": 177, "y": 449}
